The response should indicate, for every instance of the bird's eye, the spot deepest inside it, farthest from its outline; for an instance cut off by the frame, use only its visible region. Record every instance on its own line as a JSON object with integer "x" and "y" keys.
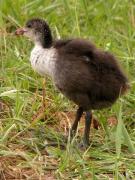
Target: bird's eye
{"x": 29, "y": 25}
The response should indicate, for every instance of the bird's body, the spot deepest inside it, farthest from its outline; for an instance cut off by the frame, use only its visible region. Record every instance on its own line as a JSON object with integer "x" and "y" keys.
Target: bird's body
{"x": 85, "y": 74}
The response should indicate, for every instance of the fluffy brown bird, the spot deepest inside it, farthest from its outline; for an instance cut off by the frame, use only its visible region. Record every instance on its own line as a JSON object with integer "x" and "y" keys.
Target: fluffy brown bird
{"x": 88, "y": 76}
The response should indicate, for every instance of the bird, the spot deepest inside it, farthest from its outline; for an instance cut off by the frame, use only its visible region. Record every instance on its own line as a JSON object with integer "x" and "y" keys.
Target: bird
{"x": 89, "y": 76}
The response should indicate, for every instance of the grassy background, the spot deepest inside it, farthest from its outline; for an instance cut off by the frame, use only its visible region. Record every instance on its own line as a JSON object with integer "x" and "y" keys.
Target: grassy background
{"x": 111, "y": 25}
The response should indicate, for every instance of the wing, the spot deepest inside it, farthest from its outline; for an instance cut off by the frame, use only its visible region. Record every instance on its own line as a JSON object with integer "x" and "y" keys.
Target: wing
{"x": 75, "y": 70}
{"x": 76, "y": 47}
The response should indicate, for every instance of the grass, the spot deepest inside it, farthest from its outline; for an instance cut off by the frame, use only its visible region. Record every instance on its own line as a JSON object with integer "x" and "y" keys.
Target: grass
{"x": 111, "y": 25}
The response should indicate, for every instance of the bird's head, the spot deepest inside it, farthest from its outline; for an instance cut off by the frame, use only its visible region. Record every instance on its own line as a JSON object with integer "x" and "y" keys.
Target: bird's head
{"x": 38, "y": 31}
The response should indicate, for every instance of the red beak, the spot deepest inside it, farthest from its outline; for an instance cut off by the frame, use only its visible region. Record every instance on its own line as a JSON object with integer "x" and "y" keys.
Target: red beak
{"x": 20, "y": 31}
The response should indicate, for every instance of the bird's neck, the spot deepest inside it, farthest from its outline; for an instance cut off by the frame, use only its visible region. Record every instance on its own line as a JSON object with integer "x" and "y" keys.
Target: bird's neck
{"x": 46, "y": 40}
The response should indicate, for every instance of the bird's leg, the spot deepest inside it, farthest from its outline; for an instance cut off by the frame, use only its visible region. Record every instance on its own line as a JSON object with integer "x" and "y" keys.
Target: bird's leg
{"x": 88, "y": 120}
{"x": 72, "y": 131}
{"x": 77, "y": 119}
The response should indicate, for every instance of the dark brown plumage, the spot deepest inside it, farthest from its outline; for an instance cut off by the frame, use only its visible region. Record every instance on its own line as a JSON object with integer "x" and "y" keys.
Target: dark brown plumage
{"x": 88, "y": 76}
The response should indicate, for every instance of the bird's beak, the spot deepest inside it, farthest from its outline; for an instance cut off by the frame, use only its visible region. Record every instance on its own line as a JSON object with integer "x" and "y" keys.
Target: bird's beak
{"x": 20, "y": 31}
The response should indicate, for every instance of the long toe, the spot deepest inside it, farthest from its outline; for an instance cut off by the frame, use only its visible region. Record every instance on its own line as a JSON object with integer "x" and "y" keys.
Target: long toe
{"x": 55, "y": 144}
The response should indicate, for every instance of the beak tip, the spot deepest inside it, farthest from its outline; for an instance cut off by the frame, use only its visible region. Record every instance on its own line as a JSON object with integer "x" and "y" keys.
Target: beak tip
{"x": 19, "y": 31}
{"x": 15, "y": 33}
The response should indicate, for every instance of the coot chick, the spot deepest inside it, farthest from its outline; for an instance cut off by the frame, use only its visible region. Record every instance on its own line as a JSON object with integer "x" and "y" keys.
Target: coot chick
{"x": 88, "y": 76}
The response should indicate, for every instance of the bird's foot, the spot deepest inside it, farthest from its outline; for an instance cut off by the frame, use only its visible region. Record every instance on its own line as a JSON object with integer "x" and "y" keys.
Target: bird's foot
{"x": 84, "y": 144}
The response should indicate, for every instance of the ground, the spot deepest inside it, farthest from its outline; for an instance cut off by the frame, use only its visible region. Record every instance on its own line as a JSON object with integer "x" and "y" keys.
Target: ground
{"x": 24, "y": 130}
